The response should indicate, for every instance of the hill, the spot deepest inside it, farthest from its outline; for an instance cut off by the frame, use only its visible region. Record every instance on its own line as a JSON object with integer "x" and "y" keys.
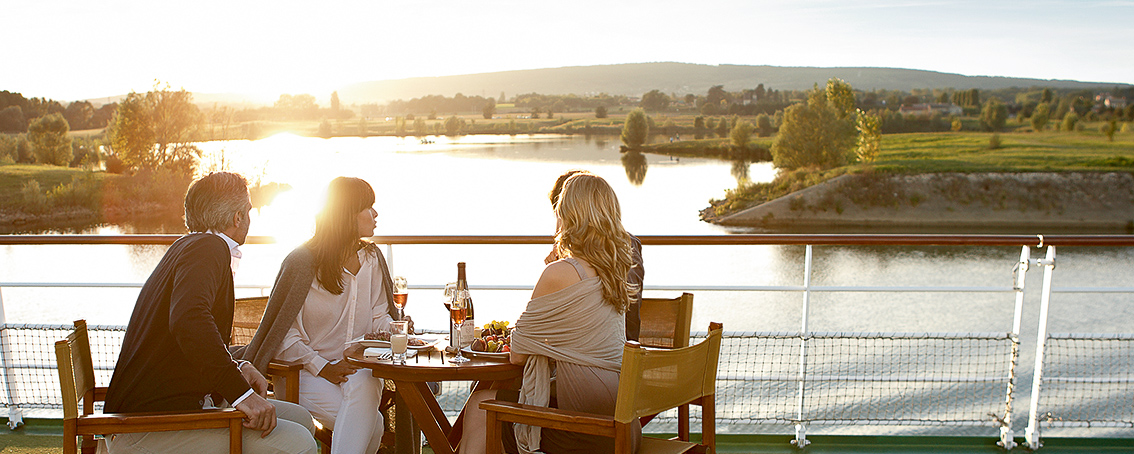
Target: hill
{"x": 633, "y": 79}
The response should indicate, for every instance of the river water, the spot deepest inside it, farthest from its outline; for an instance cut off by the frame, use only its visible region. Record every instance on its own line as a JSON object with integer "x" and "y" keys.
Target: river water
{"x": 497, "y": 185}
{"x": 489, "y": 185}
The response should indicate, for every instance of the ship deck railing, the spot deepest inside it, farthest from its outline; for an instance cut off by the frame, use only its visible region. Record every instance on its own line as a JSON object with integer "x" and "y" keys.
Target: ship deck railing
{"x": 796, "y": 379}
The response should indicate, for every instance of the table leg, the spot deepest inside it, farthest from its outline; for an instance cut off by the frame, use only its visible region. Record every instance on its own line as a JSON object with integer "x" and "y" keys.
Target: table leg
{"x": 407, "y": 437}
{"x": 435, "y": 428}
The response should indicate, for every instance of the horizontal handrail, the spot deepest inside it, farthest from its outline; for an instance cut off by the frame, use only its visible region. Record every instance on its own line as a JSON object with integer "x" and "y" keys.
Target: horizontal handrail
{"x": 654, "y": 240}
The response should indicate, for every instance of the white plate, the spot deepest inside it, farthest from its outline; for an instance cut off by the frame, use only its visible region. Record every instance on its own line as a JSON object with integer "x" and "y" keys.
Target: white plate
{"x": 429, "y": 342}
{"x": 470, "y": 352}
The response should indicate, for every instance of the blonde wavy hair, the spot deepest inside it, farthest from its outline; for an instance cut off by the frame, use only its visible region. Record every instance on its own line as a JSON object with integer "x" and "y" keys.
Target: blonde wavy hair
{"x": 590, "y": 228}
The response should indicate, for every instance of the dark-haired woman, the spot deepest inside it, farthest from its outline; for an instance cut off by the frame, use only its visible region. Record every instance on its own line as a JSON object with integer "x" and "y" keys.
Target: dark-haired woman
{"x": 332, "y": 289}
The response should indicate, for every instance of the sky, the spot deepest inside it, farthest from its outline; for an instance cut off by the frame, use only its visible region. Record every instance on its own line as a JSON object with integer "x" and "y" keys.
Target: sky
{"x": 70, "y": 49}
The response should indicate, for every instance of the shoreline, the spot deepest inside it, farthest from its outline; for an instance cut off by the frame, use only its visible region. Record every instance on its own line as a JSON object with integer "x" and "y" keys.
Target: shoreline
{"x": 1095, "y": 201}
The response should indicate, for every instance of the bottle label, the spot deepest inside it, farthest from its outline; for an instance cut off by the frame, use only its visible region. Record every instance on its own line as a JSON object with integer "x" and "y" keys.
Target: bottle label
{"x": 467, "y": 332}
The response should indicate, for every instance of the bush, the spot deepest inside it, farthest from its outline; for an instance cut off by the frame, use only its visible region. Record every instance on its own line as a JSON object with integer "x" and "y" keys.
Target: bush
{"x": 1109, "y": 128}
{"x": 993, "y": 115}
{"x": 24, "y": 151}
{"x": 33, "y": 200}
{"x": 741, "y": 134}
{"x": 636, "y": 129}
{"x": 1041, "y": 116}
{"x": 1069, "y": 121}
{"x": 994, "y": 142}
{"x": 763, "y": 125}
{"x": 48, "y": 135}
{"x": 149, "y": 191}
{"x": 7, "y": 149}
{"x": 81, "y": 192}
{"x": 85, "y": 153}
{"x": 115, "y": 165}
{"x": 812, "y": 135}
{"x": 454, "y": 125}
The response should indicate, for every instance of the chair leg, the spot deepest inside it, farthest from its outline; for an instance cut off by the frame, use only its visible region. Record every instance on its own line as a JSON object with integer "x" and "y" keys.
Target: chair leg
{"x": 492, "y": 441}
{"x": 683, "y": 422}
{"x": 70, "y": 439}
{"x": 324, "y": 437}
{"x": 709, "y": 423}
{"x": 89, "y": 445}
{"x": 236, "y": 436}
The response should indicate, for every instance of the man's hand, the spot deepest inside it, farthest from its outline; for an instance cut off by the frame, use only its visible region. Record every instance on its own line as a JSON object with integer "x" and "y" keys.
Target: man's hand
{"x": 337, "y": 372}
{"x": 254, "y": 378}
{"x": 409, "y": 319}
{"x": 259, "y": 414}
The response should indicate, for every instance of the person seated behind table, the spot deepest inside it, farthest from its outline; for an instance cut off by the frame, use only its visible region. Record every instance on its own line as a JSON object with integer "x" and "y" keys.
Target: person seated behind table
{"x": 334, "y": 288}
{"x": 174, "y": 357}
{"x": 637, "y": 273}
{"x": 576, "y": 318}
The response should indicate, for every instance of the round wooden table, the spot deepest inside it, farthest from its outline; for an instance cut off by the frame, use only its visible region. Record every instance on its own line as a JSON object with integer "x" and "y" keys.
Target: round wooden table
{"x": 432, "y": 366}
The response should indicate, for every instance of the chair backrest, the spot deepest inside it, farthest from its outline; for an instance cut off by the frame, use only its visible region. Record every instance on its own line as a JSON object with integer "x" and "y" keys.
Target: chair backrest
{"x": 246, "y": 316}
{"x": 76, "y": 371}
{"x": 665, "y": 321}
{"x": 654, "y": 380}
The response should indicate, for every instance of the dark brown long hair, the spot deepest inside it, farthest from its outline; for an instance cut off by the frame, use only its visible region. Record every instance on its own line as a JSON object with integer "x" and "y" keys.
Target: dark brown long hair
{"x": 336, "y": 230}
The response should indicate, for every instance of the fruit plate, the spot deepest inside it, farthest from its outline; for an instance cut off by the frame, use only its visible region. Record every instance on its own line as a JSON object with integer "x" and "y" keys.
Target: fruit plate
{"x": 430, "y": 342}
{"x": 501, "y": 356}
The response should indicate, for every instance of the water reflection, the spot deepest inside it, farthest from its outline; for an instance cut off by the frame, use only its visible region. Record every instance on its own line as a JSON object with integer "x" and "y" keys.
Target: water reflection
{"x": 263, "y": 194}
{"x": 740, "y": 171}
{"x": 635, "y": 165}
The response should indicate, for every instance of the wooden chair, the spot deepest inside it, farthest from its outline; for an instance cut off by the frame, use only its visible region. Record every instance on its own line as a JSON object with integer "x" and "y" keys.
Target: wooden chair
{"x": 246, "y": 316}
{"x": 76, "y": 379}
{"x": 666, "y": 324}
{"x": 284, "y": 376}
{"x": 652, "y": 381}
{"x": 666, "y": 321}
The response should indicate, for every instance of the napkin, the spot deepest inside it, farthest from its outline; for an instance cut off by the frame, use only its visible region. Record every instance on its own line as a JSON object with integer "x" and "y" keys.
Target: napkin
{"x": 385, "y": 353}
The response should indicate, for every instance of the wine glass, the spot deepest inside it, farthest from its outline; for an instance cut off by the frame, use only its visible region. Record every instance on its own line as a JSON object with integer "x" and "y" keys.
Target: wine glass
{"x": 401, "y": 296}
{"x": 457, "y": 311}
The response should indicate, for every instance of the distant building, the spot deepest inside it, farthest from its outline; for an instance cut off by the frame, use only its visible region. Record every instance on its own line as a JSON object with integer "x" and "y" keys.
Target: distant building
{"x": 926, "y": 110}
{"x": 1108, "y": 100}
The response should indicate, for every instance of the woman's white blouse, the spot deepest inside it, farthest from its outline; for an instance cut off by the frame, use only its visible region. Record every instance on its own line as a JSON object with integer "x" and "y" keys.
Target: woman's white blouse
{"x": 327, "y": 321}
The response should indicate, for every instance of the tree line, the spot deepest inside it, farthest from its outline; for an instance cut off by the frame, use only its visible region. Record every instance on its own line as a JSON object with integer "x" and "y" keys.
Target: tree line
{"x": 18, "y": 112}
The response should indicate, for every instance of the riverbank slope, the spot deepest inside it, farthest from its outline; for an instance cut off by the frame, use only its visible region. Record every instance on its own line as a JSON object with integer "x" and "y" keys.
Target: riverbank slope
{"x": 1087, "y": 200}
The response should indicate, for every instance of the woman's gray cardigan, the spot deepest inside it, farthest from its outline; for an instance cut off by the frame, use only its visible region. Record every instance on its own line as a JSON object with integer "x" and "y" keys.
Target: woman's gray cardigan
{"x": 288, "y": 295}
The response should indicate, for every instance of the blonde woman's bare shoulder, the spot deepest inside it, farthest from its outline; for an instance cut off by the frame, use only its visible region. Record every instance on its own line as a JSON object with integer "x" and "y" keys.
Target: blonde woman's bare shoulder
{"x": 556, "y": 276}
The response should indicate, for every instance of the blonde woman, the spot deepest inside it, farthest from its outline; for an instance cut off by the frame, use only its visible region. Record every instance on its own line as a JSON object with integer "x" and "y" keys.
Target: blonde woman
{"x": 575, "y": 322}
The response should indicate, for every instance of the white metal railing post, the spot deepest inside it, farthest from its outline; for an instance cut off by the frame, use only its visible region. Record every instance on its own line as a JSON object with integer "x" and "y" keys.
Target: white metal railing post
{"x": 800, "y": 440}
{"x": 390, "y": 257}
{"x": 1019, "y": 275}
{"x": 1032, "y": 433}
{"x": 15, "y": 415}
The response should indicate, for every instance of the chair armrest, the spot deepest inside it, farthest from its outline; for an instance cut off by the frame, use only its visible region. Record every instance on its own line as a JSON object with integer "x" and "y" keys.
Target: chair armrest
{"x": 110, "y": 423}
{"x": 277, "y": 367}
{"x": 552, "y": 418}
{"x": 289, "y": 371}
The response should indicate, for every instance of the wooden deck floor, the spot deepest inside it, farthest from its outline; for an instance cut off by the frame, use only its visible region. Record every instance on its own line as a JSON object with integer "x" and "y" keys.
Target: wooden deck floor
{"x": 41, "y": 436}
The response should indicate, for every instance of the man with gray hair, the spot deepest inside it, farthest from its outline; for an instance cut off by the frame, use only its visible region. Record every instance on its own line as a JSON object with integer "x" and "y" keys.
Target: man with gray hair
{"x": 174, "y": 354}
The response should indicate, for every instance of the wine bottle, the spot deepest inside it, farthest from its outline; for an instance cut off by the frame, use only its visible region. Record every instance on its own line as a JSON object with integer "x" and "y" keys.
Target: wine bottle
{"x": 463, "y": 289}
